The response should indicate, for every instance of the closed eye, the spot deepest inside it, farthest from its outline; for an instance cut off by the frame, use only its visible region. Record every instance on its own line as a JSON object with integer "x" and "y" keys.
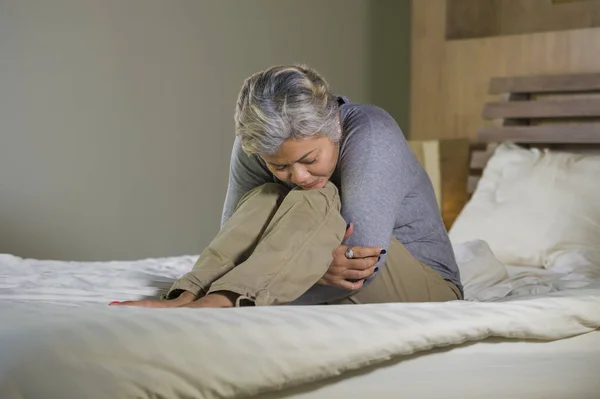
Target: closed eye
{"x": 284, "y": 167}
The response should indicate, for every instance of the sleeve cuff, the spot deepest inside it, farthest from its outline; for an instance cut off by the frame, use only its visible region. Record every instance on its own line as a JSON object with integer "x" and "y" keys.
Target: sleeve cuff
{"x": 181, "y": 285}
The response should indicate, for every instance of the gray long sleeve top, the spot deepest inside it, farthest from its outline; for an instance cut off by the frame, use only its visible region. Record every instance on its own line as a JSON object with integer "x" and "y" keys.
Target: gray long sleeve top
{"x": 384, "y": 191}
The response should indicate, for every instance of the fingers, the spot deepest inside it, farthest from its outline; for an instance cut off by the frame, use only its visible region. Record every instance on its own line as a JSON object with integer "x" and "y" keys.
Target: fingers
{"x": 362, "y": 252}
{"x": 365, "y": 252}
{"x": 350, "y": 285}
{"x": 145, "y": 304}
{"x": 334, "y": 281}
{"x": 349, "y": 230}
{"x": 351, "y": 274}
{"x": 361, "y": 264}
{"x": 183, "y": 299}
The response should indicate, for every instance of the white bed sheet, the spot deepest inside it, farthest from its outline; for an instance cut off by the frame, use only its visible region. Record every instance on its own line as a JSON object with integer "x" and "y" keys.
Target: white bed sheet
{"x": 87, "y": 283}
{"x": 38, "y": 294}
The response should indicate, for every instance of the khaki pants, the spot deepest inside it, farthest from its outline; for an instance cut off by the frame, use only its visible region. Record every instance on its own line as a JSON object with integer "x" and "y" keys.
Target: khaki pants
{"x": 279, "y": 243}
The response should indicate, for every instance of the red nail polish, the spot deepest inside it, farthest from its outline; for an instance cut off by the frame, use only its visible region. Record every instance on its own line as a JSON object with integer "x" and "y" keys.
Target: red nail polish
{"x": 113, "y": 303}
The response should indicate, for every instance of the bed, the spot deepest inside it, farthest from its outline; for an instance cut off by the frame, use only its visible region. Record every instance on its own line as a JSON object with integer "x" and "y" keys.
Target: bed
{"x": 527, "y": 329}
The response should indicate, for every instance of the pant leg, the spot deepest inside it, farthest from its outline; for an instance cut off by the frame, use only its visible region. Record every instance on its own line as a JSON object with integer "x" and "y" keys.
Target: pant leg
{"x": 405, "y": 279}
{"x": 235, "y": 241}
{"x": 294, "y": 252}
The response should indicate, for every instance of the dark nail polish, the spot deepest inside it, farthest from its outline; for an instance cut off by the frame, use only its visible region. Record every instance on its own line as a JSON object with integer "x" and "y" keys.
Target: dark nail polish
{"x": 347, "y": 226}
{"x": 383, "y": 251}
{"x": 376, "y": 269}
{"x": 378, "y": 258}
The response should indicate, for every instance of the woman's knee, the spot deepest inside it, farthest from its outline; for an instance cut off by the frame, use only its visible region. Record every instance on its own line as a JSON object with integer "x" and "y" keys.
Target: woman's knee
{"x": 322, "y": 199}
{"x": 273, "y": 191}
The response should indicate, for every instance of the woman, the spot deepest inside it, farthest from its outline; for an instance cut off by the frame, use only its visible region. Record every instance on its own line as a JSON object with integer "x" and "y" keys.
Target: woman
{"x": 297, "y": 144}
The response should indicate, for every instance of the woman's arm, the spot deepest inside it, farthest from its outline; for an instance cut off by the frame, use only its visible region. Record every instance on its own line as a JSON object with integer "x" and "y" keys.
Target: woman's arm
{"x": 245, "y": 173}
{"x": 378, "y": 170}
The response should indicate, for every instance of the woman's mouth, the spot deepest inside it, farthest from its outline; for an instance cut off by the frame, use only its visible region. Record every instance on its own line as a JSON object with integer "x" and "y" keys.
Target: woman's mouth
{"x": 311, "y": 185}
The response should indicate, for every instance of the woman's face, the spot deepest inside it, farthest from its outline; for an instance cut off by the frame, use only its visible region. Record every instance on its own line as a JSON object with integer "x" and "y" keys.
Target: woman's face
{"x": 307, "y": 163}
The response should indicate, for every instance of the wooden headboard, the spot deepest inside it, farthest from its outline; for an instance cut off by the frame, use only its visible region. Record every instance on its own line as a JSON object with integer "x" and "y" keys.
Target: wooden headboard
{"x": 557, "y": 112}
{"x": 560, "y": 112}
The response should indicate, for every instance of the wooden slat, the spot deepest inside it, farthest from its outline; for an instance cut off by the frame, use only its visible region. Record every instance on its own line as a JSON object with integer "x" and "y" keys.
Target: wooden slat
{"x": 479, "y": 159}
{"x": 472, "y": 182}
{"x": 545, "y": 84}
{"x": 543, "y": 109}
{"x": 567, "y": 133}
{"x": 562, "y": 96}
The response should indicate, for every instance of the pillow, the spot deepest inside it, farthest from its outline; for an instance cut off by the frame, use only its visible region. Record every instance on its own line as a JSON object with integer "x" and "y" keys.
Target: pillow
{"x": 536, "y": 208}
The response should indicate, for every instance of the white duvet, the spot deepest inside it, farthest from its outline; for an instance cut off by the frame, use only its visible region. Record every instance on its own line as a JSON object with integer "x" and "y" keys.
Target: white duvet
{"x": 58, "y": 339}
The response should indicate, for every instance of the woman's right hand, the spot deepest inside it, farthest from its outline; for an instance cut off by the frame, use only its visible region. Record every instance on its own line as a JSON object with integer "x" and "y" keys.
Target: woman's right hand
{"x": 184, "y": 299}
{"x": 357, "y": 269}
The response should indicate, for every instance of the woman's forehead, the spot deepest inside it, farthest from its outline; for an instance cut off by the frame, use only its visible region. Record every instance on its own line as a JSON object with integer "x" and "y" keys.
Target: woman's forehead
{"x": 295, "y": 149}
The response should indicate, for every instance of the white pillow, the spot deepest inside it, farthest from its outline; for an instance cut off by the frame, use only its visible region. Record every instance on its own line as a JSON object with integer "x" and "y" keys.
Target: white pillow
{"x": 536, "y": 208}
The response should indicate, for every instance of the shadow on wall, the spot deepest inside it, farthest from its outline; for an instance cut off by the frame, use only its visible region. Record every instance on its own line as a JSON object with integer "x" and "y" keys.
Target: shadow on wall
{"x": 389, "y": 50}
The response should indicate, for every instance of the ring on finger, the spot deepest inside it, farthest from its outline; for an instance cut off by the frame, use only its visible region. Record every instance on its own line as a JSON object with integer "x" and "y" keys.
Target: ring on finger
{"x": 349, "y": 253}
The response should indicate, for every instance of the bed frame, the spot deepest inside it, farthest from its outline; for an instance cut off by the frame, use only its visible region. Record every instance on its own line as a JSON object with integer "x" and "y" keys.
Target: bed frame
{"x": 559, "y": 112}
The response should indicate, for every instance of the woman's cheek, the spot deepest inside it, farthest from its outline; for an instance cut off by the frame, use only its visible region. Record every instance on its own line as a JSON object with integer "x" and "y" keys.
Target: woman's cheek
{"x": 320, "y": 170}
{"x": 280, "y": 175}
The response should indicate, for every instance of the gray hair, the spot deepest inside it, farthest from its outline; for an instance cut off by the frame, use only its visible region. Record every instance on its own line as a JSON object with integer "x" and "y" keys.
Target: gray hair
{"x": 281, "y": 103}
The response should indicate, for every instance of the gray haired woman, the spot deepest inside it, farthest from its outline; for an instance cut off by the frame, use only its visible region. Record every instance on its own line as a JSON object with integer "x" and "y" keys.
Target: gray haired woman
{"x": 326, "y": 204}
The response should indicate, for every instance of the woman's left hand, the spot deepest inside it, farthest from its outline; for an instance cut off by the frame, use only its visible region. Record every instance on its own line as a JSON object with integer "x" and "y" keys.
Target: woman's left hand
{"x": 222, "y": 299}
{"x": 358, "y": 268}
{"x": 184, "y": 299}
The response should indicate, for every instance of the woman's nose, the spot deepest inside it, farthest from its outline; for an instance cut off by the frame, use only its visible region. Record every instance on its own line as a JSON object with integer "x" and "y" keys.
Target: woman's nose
{"x": 300, "y": 176}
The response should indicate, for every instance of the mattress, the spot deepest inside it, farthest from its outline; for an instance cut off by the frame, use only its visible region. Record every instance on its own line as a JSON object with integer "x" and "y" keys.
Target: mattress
{"x": 59, "y": 339}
